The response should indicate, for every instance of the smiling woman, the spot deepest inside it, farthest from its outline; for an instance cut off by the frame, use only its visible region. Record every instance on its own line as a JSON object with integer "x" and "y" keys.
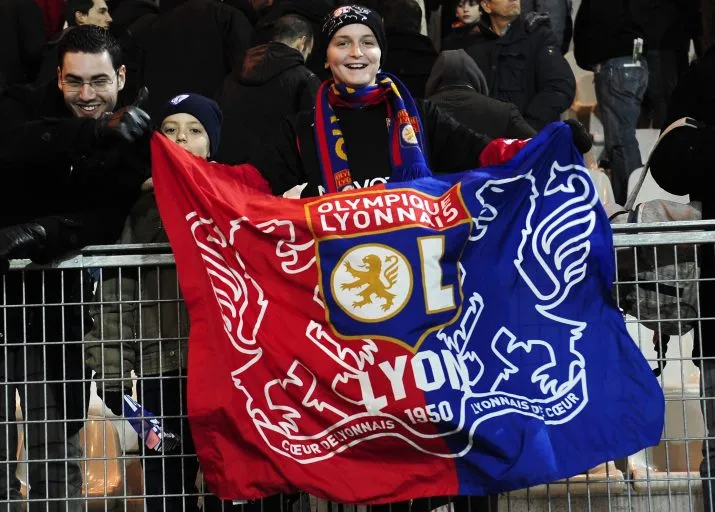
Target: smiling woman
{"x": 354, "y": 56}
{"x": 366, "y": 127}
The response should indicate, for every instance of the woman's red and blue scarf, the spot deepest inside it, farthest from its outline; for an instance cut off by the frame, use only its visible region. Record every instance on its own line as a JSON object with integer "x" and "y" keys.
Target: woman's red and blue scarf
{"x": 404, "y": 130}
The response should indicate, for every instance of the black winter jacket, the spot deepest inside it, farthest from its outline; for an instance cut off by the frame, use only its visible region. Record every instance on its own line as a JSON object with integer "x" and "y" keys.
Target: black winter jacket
{"x": 50, "y": 56}
{"x": 22, "y": 34}
{"x": 525, "y": 67}
{"x": 272, "y": 84}
{"x": 457, "y": 86}
{"x": 221, "y": 35}
{"x": 410, "y": 57}
{"x": 80, "y": 190}
{"x": 312, "y": 10}
{"x": 605, "y": 29}
{"x": 450, "y": 147}
{"x": 132, "y": 21}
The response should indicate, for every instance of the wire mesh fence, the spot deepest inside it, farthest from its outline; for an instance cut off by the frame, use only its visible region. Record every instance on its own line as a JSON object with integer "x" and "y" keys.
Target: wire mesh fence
{"x": 81, "y": 334}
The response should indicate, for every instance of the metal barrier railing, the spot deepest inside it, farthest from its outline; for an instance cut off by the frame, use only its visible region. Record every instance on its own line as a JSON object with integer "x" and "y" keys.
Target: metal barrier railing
{"x": 118, "y": 310}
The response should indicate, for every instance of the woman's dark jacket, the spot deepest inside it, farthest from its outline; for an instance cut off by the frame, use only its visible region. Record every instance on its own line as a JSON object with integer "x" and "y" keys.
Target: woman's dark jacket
{"x": 450, "y": 147}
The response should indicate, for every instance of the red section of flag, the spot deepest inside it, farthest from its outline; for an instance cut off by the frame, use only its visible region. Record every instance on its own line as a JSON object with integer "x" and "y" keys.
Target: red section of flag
{"x": 278, "y": 401}
{"x": 499, "y": 151}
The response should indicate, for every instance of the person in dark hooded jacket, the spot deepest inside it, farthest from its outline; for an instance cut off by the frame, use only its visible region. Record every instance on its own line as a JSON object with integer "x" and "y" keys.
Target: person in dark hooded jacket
{"x": 21, "y": 39}
{"x": 193, "y": 48}
{"x": 412, "y": 54}
{"x": 522, "y": 61}
{"x": 272, "y": 84}
{"x": 458, "y": 87}
{"x": 132, "y": 21}
{"x": 312, "y": 10}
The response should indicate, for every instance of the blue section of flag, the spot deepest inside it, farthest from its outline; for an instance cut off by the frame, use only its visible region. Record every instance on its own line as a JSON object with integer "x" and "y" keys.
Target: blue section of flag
{"x": 550, "y": 381}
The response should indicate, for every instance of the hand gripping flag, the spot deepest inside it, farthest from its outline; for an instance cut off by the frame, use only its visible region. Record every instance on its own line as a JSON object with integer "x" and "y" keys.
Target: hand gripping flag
{"x": 450, "y": 335}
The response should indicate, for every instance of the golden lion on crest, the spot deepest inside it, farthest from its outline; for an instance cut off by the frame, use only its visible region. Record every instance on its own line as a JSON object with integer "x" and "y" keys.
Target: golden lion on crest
{"x": 371, "y": 278}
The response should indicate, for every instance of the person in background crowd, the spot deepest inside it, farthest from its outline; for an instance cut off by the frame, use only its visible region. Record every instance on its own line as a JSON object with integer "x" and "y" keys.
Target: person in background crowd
{"x": 458, "y": 87}
{"x": 522, "y": 61}
{"x": 412, "y": 54}
{"x": 77, "y": 13}
{"x": 22, "y": 35}
{"x": 132, "y": 22}
{"x": 246, "y": 7}
{"x": 682, "y": 164}
{"x": 560, "y": 13}
{"x": 66, "y": 145}
{"x": 447, "y": 14}
{"x": 464, "y": 26}
{"x": 467, "y": 13}
{"x": 312, "y": 10}
{"x": 668, "y": 30}
{"x": 604, "y": 36}
{"x": 261, "y": 7}
{"x": 54, "y": 15}
{"x": 214, "y": 38}
{"x": 272, "y": 84}
{"x": 88, "y": 12}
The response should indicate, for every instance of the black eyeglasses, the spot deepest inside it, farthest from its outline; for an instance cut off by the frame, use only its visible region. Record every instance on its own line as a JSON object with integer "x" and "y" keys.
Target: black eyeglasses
{"x": 101, "y": 84}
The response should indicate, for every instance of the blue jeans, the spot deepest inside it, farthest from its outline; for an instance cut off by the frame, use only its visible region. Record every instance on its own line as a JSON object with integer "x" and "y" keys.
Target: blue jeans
{"x": 620, "y": 86}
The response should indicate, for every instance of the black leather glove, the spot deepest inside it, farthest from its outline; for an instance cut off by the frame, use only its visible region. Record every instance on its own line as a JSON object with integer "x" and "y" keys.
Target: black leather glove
{"x": 581, "y": 137}
{"x": 129, "y": 123}
{"x": 114, "y": 400}
{"x": 20, "y": 241}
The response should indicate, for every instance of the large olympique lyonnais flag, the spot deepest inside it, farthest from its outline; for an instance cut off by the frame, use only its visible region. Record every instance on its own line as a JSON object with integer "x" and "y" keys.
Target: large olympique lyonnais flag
{"x": 450, "y": 335}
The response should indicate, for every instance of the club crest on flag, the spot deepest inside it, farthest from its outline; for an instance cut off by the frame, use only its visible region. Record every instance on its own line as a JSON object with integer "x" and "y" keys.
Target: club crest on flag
{"x": 389, "y": 262}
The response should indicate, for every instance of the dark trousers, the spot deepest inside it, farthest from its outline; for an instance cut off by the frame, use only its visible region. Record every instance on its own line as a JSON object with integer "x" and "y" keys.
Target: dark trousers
{"x": 620, "y": 87}
{"x": 662, "y": 79}
{"x": 170, "y": 478}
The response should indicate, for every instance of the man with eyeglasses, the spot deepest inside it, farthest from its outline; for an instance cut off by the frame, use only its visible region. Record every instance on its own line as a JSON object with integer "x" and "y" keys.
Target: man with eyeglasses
{"x": 74, "y": 165}
{"x": 90, "y": 83}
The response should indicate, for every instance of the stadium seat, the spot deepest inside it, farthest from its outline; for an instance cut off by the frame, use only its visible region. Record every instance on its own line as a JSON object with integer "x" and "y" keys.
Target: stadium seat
{"x": 603, "y": 185}
{"x": 651, "y": 190}
{"x": 603, "y": 479}
{"x": 646, "y": 138}
{"x": 673, "y": 465}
